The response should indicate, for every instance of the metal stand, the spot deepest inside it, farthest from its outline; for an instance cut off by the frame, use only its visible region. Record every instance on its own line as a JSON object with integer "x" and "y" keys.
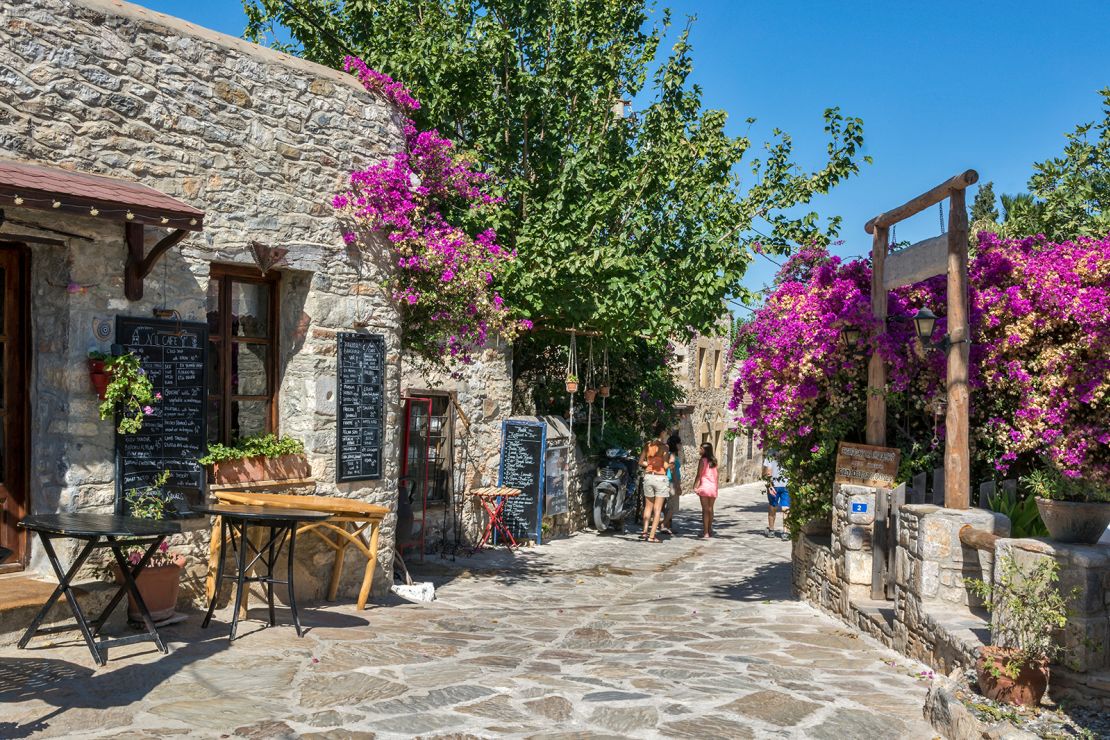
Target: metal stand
{"x": 268, "y": 554}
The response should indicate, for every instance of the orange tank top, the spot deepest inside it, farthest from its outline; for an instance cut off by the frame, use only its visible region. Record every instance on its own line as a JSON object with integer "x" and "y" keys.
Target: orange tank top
{"x": 656, "y": 458}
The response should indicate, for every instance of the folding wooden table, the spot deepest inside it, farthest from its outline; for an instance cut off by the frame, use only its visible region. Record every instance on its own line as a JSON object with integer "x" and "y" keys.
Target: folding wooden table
{"x": 352, "y": 522}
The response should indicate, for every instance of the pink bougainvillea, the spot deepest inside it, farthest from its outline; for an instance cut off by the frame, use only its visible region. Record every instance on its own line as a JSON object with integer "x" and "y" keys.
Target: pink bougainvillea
{"x": 424, "y": 201}
{"x": 1040, "y": 359}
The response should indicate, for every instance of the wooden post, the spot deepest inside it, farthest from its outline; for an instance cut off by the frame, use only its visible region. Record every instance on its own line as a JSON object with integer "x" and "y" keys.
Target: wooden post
{"x": 957, "y": 458}
{"x": 876, "y": 370}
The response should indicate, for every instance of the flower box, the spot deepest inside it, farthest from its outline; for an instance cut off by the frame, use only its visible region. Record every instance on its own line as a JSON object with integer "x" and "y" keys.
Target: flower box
{"x": 260, "y": 468}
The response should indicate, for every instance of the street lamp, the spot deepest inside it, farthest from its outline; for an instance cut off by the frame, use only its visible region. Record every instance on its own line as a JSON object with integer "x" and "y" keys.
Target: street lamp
{"x": 849, "y": 338}
{"x": 924, "y": 321}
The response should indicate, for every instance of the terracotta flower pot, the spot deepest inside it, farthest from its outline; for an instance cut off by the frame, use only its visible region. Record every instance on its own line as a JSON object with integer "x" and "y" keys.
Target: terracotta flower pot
{"x": 1025, "y": 689}
{"x": 1080, "y": 522}
{"x": 260, "y": 468}
{"x": 572, "y": 386}
{"x": 99, "y": 377}
{"x": 603, "y": 391}
{"x": 590, "y": 395}
{"x": 159, "y": 586}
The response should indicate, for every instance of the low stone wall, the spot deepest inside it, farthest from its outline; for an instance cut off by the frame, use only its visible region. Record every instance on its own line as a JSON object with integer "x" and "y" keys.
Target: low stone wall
{"x": 935, "y": 617}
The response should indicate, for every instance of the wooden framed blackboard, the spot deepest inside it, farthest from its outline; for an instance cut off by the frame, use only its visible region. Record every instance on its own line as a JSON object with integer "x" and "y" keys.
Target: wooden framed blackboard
{"x": 523, "y": 447}
{"x": 360, "y": 406}
{"x": 174, "y": 356}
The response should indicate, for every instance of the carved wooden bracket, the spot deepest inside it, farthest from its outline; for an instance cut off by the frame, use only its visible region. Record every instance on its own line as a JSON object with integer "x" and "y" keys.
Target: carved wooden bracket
{"x": 139, "y": 264}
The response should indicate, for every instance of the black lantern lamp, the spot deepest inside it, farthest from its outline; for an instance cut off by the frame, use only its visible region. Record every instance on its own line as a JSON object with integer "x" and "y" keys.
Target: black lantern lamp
{"x": 849, "y": 338}
{"x": 925, "y": 321}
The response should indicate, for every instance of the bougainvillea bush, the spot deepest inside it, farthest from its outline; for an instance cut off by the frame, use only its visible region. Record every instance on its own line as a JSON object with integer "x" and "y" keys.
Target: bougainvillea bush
{"x": 427, "y": 202}
{"x": 1040, "y": 365}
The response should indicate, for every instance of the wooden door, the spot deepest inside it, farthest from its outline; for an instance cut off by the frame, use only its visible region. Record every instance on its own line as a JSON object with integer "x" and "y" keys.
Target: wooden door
{"x": 13, "y": 403}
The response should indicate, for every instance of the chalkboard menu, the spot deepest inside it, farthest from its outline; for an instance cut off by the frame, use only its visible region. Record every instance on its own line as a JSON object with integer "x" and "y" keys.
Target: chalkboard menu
{"x": 360, "y": 406}
{"x": 555, "y": 481}
{"x": 522, "y": 466}
{"x": 174, "y": 356}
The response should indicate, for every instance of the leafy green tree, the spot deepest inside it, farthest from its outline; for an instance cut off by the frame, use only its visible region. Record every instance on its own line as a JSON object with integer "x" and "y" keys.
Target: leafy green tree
{"x": 1075, "y": 187}
{"x": 635, "y": 225}
{"x": 983, "y": 210}
{"x": 1022, "y": 214}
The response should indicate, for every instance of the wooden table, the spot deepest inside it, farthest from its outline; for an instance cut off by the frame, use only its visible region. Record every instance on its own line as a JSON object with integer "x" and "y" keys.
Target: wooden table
{"x": 352, "y": 522}
{"x": 98, "y": 531}
{"x": 492, "y": 499}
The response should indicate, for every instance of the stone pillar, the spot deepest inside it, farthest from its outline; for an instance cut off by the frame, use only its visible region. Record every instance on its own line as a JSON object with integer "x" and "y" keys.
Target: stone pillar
{"x": 852, "y": 519}
{"x": 932, "y": 563}
{"x": 1085, "y": 571}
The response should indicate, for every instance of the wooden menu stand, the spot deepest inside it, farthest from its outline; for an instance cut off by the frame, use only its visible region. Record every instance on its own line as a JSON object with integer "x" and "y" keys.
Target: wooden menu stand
{"x": 352, "y": 523}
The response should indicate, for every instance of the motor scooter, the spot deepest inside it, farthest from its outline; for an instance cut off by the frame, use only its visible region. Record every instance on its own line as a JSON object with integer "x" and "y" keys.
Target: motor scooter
{"x": 616, "y": 485}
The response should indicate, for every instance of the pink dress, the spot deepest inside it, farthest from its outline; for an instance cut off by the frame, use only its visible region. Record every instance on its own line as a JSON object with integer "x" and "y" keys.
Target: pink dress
{"x": 708, "y": 485}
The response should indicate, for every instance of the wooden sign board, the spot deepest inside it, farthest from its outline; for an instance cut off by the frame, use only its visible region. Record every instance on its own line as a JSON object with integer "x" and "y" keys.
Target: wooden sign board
{"x": 360, "y": 406}
{"x": 916, "y": 262}
{"x": 867, "y": 465}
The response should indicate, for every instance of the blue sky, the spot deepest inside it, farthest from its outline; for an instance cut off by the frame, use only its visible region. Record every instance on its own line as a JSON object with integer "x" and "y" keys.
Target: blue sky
{"x": 941, "y": 86}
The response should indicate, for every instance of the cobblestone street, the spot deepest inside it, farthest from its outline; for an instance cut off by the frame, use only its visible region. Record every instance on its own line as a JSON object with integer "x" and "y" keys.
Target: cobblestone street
{"x": 586, "y": 636}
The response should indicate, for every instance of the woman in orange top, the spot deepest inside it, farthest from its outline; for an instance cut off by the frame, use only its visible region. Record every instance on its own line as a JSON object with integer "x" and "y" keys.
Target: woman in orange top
{"x": 656, "y": 460}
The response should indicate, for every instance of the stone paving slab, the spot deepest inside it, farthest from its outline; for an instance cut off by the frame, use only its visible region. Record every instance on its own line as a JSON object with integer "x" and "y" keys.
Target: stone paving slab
{"x": 589, "y": 636}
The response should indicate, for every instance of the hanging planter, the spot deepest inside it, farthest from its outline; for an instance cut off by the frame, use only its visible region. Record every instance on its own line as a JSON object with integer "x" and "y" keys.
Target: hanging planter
{"x": 603, "y": 391}
{"x": 590, "y": 394}
{"x": 572, "y": 383}
{"x": 98, "y": 375}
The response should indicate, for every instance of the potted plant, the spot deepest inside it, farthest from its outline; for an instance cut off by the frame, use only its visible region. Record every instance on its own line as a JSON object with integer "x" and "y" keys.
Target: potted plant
{"x": 1027, "y": 610}
{"x": 129, "y": 392}
{"x": 603, "y": 391}
{"x": 97, "y": 374}
{"x": 1073, "y": 509}
{"x": 261, "y": 457}
{"x": 572, "y": 383}
{"x": 590, "y": 394}
{"x": 160, "y": 581}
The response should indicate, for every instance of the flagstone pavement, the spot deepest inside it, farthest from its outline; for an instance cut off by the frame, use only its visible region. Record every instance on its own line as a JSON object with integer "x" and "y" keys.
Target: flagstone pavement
{"x": 588, "y": 636}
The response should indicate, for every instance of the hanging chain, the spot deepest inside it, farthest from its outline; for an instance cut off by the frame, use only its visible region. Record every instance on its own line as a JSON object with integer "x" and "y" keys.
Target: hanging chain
{"x": 943, "y": 226}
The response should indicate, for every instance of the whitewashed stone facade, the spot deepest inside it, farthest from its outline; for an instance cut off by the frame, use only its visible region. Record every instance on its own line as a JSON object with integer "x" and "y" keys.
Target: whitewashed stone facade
{"x": 259, "y": 141}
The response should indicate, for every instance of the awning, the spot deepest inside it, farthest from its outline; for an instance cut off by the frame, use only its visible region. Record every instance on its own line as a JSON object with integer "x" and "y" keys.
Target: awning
{"x": 136, "y": 206}
{"x": 52, "y": 188}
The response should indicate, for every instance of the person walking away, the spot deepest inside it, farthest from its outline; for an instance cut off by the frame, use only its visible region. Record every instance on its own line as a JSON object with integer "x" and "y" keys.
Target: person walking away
{"x": 656, "y": 460}
{"x": 674, "y": 446}
{"x": 706, "y": 488}
{"x": 778, "y": 500}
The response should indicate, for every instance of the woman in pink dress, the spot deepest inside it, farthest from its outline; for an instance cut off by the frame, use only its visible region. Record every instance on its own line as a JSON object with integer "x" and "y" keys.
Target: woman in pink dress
{"x": 706, "y": 488}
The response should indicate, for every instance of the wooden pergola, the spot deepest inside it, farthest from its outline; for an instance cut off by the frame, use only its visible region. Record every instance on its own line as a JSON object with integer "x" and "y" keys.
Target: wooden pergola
{"x": 946, "y": 254}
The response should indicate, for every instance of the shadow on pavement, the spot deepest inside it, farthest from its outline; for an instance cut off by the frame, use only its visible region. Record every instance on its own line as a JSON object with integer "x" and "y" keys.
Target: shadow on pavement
{"x": 770, "y": 581}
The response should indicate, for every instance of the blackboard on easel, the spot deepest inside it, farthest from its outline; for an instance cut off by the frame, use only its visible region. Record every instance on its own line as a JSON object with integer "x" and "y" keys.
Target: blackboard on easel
{"x": 360, "y": 406}
{"x": 523, "y": 448}
{"x": 174, "y": 356}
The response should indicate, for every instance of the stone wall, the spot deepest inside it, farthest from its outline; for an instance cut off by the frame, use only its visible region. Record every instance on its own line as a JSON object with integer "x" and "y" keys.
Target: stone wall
{"x": 258, "y": 140}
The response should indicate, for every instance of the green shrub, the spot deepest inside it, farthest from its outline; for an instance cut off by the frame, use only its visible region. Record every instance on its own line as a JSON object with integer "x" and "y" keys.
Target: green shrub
{"x": 258, "y": 445}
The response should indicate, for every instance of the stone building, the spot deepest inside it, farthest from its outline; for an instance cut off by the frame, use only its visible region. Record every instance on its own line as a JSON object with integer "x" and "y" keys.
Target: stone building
{"x": 207, "y": 139}
{"x": 701, "y": 369}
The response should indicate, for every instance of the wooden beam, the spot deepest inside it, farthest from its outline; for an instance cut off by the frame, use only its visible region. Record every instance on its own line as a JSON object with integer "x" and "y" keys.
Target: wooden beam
{"x": 138, "y": 264}
{"x": 876, "y": 370}
{"x": 977, "y": 538}
{"x": 957, "y": 457}
{"x": 923, "y": 201}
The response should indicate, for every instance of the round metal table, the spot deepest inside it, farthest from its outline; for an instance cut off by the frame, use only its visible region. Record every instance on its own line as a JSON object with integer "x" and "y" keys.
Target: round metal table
{"x": 282, "y": 525}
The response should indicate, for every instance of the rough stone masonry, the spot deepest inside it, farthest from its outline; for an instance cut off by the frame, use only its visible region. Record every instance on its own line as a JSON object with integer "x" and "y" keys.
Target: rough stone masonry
{"x": 259, "y": 141}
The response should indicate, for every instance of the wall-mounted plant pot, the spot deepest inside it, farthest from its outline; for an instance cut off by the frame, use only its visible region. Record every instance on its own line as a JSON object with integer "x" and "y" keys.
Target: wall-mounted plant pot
{"x": 261, "y": 468}
{"x": 99, "y": 377}
{"x": 603, "y": 391}
{"x": 590, "y": 394}
{"x": 1079, "y": 522}
{"x": 572, "y": 386}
